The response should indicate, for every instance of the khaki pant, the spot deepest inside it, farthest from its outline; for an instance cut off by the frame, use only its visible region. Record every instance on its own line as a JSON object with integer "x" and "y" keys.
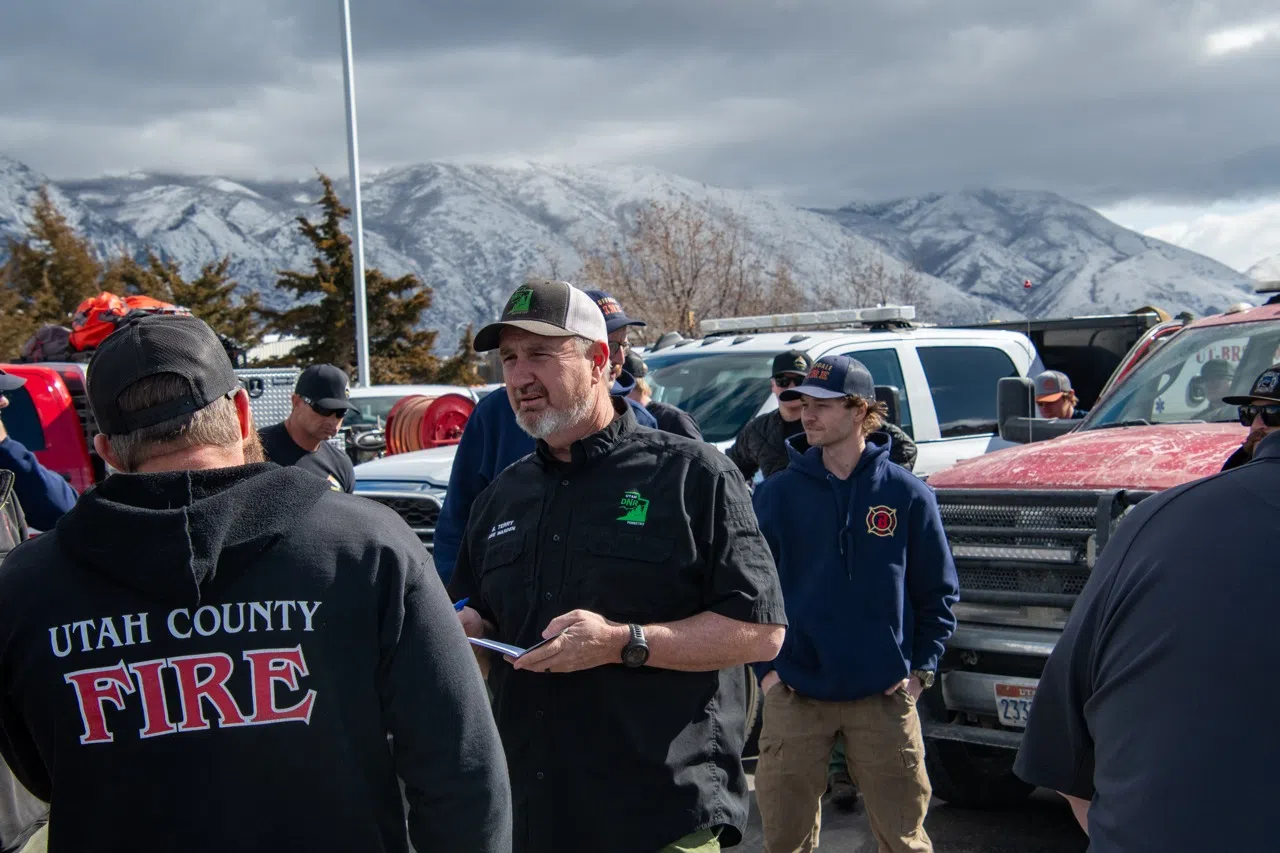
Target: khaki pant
{"x": 885, "y": 753}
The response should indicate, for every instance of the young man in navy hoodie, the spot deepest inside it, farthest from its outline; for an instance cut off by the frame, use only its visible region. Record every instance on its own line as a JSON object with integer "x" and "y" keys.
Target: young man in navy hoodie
{"x": 869, "y": 584}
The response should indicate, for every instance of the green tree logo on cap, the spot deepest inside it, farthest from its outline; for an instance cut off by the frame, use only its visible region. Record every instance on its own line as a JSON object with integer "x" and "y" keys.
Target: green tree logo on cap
{"x": 521, "y": 301}
{"x": 637, "y": 508}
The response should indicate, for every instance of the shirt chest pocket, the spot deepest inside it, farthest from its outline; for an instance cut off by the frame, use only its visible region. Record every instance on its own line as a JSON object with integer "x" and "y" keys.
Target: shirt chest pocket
{"x": 634, "y": 577}
{"x": 506, "y": 578}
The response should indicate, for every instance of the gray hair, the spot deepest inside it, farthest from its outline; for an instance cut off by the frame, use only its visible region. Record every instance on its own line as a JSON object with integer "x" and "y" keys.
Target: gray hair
{"x": 216, "y": 425}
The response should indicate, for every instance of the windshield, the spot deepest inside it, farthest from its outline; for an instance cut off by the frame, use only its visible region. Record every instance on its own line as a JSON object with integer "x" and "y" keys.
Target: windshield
{"x": 21, "y": 420}
{"x": 370, "y": 411}
{"x": 1186, "y": 379}
{"x": 721, "y": 390}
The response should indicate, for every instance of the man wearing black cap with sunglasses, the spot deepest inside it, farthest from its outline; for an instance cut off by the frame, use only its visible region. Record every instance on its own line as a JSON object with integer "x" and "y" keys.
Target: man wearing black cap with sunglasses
{"x": 320, "y": 401}
{"x": 209, "y": 653}
{"x": 1176, "y": 619}
{"x": 1260, "y": 411}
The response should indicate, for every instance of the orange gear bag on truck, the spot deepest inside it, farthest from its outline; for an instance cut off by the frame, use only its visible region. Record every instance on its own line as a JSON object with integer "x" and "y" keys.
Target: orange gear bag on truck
{"x": 99, "y": 316}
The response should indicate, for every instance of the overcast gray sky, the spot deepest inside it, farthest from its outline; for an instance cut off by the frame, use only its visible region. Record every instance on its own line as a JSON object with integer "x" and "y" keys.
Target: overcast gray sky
{"x": 1137, "y": 106}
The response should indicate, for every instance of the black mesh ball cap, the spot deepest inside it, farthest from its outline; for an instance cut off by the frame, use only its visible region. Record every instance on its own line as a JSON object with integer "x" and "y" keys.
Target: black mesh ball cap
{"x": 184, "y": 346}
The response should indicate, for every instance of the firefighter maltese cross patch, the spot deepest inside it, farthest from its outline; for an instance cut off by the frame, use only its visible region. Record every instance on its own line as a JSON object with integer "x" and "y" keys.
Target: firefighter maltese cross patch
{"x": 882, "y": 521}
{"x": 636, "y": 509}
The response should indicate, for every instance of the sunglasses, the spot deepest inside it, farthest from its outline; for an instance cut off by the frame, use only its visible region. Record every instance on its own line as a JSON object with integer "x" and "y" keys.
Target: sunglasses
{"x": 1270, "y": 415}
{"x": 322, "y": 411}
{"x": 788, "y": 380}
{"x": 616, "y": 347}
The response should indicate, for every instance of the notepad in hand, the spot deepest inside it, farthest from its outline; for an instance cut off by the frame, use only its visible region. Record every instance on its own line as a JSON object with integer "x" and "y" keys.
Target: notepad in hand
{"x": 508, "y": 650}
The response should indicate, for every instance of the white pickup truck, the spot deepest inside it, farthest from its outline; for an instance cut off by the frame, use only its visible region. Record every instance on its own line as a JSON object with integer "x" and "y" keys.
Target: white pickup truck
{"x": 945, "y": 380}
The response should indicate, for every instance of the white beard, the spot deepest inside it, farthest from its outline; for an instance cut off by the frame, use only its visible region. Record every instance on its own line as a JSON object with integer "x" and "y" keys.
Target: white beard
{"x": 548, "y": 422}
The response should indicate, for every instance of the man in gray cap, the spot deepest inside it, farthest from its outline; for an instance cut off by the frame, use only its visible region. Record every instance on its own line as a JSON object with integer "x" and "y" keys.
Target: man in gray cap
{"x": 1056, "y": 398}
{"x": 634, "y": 554}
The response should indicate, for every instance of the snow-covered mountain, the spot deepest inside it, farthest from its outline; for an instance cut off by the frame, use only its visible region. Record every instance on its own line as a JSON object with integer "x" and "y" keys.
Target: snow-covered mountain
{"x": 473, "y": 232}
{"x": 988, "y": 242}
{"x": 1267, "y": 269}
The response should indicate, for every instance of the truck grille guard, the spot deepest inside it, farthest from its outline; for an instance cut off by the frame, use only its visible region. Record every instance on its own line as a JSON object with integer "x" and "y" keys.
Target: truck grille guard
{"x": 1029, "y": 547}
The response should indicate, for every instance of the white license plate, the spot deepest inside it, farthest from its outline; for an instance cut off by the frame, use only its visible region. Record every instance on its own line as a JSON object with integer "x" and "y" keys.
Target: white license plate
{"x": 1013, "y": 703}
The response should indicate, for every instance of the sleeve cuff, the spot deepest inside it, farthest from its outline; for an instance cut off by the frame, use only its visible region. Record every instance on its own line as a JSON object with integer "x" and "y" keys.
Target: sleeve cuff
{"x": 741, "y": 610}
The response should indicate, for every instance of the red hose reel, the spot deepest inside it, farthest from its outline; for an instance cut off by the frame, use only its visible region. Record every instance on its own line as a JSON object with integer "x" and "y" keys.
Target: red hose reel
{"x": 419, "y": 422}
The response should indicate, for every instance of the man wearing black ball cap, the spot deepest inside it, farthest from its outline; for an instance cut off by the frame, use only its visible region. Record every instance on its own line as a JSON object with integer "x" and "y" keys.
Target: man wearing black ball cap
{"x": 208, "y": 654}
{"x": 1259, "y": 410}
{"x": 320, "y": 401}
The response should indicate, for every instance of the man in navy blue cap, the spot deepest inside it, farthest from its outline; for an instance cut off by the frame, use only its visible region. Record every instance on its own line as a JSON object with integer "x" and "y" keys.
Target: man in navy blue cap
{"x": 617, "y": 324}
{"x": 869, "y": 584}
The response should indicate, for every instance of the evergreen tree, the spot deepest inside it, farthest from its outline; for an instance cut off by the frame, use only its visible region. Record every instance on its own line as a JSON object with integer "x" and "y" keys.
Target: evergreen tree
{"x": 54, "y": 269}
{"x": 16, "y": 321}
{"x": 211, "y": 296}
{"x": 399, "y": 352}
{"x": 460, "y": 368}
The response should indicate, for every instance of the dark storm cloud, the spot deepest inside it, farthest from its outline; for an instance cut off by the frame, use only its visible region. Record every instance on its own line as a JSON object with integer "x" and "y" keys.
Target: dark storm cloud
{"x": 819, "y": 100}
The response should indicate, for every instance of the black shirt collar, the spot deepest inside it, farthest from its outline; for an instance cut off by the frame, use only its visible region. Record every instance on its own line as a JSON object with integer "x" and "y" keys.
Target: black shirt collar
{"x": 597, "y": 444}
{"x": 1269, "y": 447}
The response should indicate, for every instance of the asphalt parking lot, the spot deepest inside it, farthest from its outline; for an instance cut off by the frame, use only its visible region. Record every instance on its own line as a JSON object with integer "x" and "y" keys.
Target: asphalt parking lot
{"x": 1041, "y": 825}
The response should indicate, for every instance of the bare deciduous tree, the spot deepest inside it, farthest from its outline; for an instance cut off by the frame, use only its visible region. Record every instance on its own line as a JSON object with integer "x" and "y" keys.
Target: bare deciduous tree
{"x": 860, "y": 280}
{"x": 677, "y": 266}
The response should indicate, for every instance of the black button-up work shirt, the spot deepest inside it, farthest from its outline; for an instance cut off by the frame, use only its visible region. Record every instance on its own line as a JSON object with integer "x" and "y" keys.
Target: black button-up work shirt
{"x": 641, "y": 526}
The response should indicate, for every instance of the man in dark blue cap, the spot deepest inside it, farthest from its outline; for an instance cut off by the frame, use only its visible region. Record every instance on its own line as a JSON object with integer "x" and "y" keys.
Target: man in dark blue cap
{"x": 869, "y": 584}
{"x": 617, "y": 324}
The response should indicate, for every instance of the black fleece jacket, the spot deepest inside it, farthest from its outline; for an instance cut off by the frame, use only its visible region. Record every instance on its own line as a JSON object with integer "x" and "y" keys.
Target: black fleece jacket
{"x": 213, "y": 660}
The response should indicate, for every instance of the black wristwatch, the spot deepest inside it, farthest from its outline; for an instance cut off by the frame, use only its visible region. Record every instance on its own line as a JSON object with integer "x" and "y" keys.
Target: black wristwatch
{"x": 636, "y": 651}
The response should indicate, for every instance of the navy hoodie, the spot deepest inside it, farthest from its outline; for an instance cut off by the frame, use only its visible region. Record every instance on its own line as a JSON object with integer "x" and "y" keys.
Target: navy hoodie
{"x": 490, "y": 442}
{"x": 866, "y": 573}
{"x": 44, "y": 496}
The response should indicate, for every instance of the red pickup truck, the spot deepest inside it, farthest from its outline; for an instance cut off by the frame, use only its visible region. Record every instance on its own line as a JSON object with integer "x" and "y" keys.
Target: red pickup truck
{"x": 50, "y": 416}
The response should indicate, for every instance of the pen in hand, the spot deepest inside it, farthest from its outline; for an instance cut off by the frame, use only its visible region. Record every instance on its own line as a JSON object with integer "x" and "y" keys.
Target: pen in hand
{"x": 461, "y": 604}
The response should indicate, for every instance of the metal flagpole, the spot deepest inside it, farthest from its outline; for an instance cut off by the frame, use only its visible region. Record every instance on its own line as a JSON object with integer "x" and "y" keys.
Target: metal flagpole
{"x": 353, "y": 158}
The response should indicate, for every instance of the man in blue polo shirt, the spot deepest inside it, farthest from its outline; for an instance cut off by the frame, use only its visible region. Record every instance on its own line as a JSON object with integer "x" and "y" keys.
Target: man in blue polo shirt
{"x": 1155, "y": 715}
{"x": 869, "y": 584}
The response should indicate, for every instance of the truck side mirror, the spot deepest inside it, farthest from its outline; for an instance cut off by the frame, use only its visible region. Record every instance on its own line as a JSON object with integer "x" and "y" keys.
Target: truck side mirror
{"x": 891, "y": 396}
{"x": 1015, "y": 398}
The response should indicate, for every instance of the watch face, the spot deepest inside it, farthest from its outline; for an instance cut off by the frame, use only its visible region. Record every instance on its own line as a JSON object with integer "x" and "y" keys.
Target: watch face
{"x": 635, "y": 655}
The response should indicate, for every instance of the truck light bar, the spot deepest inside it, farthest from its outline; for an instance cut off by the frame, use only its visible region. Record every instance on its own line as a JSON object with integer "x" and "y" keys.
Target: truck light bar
{"x": 809, "y": 319}
{"x": 1014, "y": 552}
